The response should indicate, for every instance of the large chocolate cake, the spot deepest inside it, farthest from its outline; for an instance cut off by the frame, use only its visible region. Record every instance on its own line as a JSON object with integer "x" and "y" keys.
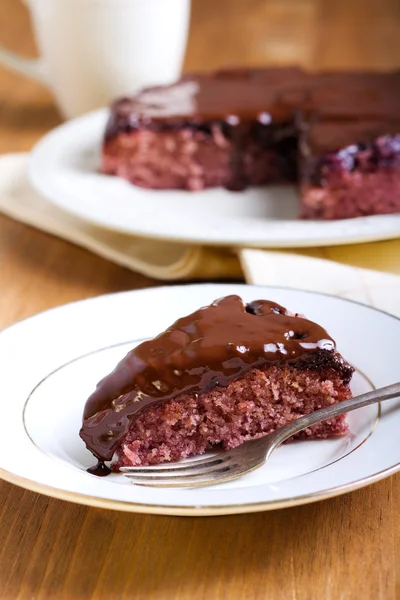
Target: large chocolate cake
{"x": 334, "y": 132}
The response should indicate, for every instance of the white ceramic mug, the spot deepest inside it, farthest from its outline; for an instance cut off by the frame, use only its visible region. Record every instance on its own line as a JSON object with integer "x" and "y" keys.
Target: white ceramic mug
{"x": 92, "y": 51}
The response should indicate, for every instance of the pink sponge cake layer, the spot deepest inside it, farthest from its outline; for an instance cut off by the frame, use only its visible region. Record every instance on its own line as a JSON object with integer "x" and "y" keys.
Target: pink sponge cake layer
{"x": 225, "y": 374}
{"x": 257, "y": 403}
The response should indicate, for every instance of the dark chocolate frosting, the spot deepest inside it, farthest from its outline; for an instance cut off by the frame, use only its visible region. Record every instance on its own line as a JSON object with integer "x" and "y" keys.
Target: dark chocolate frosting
{"x": 233, "y": 96}
{"x": 353, "y": 95}
{"x": 265, "y": 95}
{"x": 208, "y": 348}
{"x": 332, "y": 135}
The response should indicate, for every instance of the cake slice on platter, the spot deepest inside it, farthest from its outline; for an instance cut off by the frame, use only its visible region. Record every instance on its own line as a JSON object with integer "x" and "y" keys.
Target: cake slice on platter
{"x": 225, "y": 374}
{"x": 349, "y": 151}
{"x": 341, "y": 179}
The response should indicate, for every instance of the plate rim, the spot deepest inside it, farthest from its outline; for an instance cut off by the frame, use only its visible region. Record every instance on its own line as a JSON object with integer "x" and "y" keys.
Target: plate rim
{"x": 47, "y": 189}
{"x": 195, "y": 509}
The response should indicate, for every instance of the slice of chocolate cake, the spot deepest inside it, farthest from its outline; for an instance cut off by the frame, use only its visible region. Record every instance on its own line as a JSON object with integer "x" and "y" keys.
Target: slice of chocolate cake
{"x": 342, "y": 179}
{"x": 350, "y": 146}
{"x": 227, "y": 373}
{"x": 220, "y": 129}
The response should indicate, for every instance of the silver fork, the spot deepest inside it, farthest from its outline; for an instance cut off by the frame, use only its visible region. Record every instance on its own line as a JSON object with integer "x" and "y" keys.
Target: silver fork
{"x": 250, "y": 455}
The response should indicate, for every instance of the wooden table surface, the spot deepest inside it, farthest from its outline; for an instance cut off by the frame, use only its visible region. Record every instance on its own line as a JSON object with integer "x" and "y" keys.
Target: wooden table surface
{"x": 344, "y": 548}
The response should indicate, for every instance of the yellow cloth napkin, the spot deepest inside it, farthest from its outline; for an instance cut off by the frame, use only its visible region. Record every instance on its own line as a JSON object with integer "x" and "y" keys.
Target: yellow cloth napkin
{"x": 158, "y": 259}
{"x": 364, "y": 272}
{"x": 381, "y": 290}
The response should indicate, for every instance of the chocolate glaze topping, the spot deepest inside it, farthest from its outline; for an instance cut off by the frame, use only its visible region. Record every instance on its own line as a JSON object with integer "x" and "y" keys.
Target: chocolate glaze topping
{"x": 327, "y": 146}
{"x": 330, "y": 135}
{"x": 208, "y": 348}
{"x": 232, "y": 96}
{"x": 266, "y": 96}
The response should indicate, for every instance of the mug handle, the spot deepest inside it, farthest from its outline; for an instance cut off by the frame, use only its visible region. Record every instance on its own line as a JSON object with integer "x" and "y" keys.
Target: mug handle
{"x": 24, "y": 66}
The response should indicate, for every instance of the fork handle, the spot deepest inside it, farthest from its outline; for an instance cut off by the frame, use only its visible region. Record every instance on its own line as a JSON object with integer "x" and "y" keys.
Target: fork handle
{"x": 323, "y": 414}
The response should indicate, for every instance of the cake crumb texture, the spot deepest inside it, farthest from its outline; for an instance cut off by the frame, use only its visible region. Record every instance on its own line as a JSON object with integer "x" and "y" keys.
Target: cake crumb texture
{"x": 257, "y": 403}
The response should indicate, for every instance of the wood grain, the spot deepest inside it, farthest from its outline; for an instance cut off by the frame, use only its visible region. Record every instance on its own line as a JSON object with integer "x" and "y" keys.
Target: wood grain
{"x": 344, "y": 548}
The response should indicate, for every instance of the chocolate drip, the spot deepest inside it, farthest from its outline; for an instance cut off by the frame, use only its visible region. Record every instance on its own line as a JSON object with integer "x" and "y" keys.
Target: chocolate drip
{"x": 99, "y": 469}
{"x": 210, "y": 347}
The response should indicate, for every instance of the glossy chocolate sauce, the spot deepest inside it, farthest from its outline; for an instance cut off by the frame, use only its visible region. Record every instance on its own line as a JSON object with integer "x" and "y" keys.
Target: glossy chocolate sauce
{"x": 211, "y": 347}
{"x": 265, "y": 96}
{"x": 352, "y": 96}
{"x": 233, "y": 97}
{"x": 328, "y": 148}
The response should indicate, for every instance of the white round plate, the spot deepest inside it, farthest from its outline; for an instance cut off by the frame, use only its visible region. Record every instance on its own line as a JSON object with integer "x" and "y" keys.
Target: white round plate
{"x": 65, "y": 168}
{"x": 52, "y": 362}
